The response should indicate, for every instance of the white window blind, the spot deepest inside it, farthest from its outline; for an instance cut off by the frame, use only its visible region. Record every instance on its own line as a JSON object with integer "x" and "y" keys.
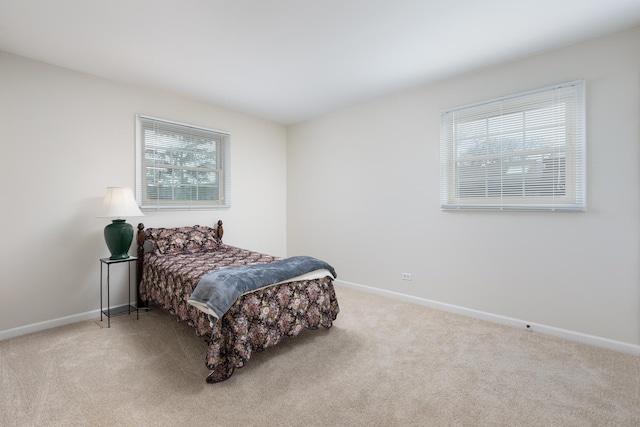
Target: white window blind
{"x": 521, "y": 152}
{"x": 181, "y": 166}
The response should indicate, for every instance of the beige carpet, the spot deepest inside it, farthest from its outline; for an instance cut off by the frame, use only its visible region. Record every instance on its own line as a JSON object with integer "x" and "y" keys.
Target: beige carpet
{"x": 384, "y": 363}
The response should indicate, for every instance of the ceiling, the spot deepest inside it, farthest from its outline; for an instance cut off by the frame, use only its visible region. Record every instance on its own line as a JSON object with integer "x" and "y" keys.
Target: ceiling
{"x": 291, "y": 60}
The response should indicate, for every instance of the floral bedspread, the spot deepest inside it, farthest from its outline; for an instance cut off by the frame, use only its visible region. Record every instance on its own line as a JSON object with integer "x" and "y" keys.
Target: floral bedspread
{"x": 255, "y": 322}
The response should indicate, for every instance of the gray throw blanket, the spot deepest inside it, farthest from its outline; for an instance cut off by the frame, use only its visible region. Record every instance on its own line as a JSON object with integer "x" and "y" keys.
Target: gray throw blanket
{"x": 219, "y": 289}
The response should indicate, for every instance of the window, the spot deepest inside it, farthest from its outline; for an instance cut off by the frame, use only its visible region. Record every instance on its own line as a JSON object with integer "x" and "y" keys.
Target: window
{"x": 181, "y": 166}
{"x": 521, "y": 152}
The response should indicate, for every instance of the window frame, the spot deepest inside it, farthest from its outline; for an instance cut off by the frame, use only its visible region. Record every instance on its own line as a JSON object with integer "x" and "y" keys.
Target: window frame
{"x": 556, "y": 158}
{"x": 222, "y": 162}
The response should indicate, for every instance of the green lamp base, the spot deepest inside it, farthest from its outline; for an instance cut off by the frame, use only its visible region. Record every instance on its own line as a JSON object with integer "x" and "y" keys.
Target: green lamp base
{"x": 118, "y": 236}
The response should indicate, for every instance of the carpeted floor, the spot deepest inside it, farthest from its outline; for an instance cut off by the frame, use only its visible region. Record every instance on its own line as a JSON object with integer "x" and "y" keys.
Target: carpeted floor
{"x": 384, "y": 363}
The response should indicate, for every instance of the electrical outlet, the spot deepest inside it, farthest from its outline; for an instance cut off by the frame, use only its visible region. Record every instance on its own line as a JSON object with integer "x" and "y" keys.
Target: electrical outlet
{"x": 406, "y": 276}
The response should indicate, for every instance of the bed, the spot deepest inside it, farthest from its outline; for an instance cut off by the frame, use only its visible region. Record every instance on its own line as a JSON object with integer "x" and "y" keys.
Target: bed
{"x": 173, "y": 261}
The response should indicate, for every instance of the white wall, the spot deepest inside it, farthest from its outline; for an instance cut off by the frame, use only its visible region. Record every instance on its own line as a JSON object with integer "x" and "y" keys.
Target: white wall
{"x": 65, "y": 137}
{"x": 363, "y": 194}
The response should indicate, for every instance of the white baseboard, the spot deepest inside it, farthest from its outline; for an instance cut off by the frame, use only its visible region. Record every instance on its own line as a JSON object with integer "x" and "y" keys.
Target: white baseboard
{"x": 503, "y": 320}
{"x": 48, "y": 324}
{"x": 495, "y": 318}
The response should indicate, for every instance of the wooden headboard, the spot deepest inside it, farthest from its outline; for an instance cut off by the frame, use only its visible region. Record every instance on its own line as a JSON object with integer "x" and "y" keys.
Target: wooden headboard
{"x": 140, "y": 239}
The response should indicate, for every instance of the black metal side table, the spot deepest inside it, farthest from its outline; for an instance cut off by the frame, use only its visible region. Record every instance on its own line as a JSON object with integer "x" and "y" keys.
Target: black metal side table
{"x": 125, "y": 309}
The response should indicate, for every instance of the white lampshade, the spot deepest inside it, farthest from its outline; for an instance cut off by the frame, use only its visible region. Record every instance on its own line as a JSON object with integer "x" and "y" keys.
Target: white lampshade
{"x": 119, "y": 203}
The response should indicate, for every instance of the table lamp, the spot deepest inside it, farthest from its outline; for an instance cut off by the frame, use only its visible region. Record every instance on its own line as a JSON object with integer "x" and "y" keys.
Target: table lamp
{"x": 118, "y": 203}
